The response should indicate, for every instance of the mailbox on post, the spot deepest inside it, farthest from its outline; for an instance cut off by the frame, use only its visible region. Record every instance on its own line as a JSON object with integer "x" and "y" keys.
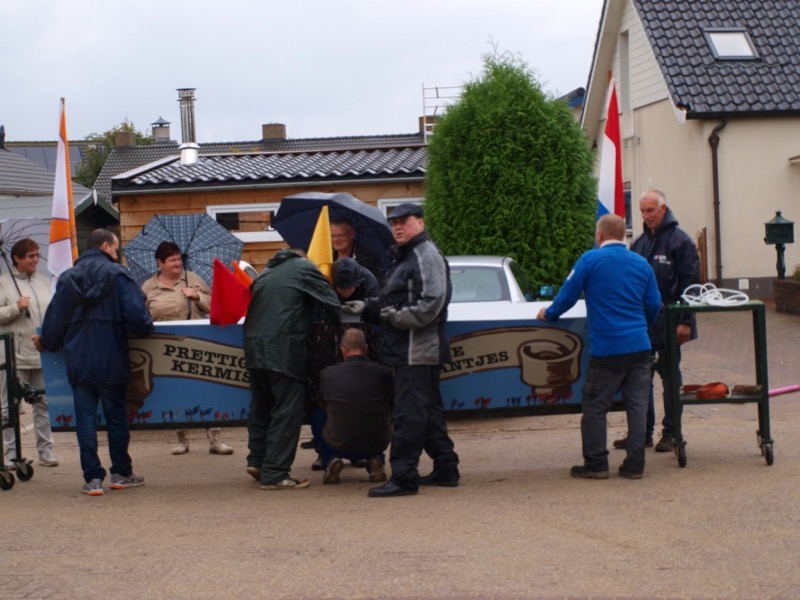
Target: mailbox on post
{"x": 779, "y": 231}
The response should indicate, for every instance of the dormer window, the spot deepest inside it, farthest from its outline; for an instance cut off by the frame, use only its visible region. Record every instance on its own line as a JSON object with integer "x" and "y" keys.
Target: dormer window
{"x": 730, "y": 43}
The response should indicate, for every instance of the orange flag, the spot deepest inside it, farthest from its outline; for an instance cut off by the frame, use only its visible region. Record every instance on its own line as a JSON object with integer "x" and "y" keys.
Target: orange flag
{"x": 241, "y": 275}
{"x": 63, "y": 239}
{"x": 320, "y": 250}
{"x": 229, "y": 296}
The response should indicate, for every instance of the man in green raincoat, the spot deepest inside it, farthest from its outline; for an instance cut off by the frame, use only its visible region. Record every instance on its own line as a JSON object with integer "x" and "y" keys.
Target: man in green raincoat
{"x": 277, "y": 332}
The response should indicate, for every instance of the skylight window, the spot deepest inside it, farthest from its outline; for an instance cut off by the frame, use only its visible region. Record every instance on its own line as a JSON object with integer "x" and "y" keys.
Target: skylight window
{"x": 730, "y": 44}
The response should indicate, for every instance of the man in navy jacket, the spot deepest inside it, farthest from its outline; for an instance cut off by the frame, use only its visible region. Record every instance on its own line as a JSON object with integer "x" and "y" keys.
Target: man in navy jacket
{"x": 622, "y": 301}
{"x": 96, "y": 305}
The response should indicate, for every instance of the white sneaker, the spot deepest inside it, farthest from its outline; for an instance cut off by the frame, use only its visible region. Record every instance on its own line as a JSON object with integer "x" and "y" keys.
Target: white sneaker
{"x": 10, "y": 465}
{"x": 47, "y": 459}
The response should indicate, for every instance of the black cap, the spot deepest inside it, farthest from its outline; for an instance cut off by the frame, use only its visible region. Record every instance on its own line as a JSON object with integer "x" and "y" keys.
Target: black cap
{"x": 347, "y": 273}
{"x": 407, "y": 209}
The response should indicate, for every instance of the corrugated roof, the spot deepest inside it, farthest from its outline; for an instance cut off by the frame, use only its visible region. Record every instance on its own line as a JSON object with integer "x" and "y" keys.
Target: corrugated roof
{"x": 709, "y": 87}
{"x": 125, "y": 159}
{"x": 264, "y": 168}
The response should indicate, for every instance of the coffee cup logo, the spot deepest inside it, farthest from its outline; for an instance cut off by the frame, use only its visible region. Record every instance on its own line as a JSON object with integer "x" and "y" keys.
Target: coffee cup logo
{"x": 550, "y": 363}
{"x": 141, "y": 383}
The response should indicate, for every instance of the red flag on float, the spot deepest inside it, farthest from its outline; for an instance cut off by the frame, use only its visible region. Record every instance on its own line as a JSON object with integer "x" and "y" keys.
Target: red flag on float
{"x": 611, "y": 197}
{"x": 229, "y": 296}
{"x": 63, "y": 250}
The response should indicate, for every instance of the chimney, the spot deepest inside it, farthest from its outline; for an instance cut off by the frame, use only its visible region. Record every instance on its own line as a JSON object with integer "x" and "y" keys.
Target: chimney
{"x": 189, "y": 153}
{"x": 271, "y": 132}
{"x": 125, "y": 139}
{"x": 160, "y": 131}
{"x": 186, "y": 98}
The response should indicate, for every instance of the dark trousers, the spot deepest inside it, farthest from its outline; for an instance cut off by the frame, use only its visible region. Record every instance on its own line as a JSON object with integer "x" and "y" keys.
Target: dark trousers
{"x": 273, "y": 428}
{"x": 419, "y": 425}
{"x": 87, "y": 399}
{"x": 668, "y": 423}
{"x": 629, "y": 373}
{"x": 327, "y": 452}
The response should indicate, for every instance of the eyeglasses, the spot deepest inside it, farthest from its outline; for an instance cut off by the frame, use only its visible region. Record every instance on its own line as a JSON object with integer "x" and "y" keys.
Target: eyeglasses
{"x": 340, "y": 236}
{"x": 33, "y": 255}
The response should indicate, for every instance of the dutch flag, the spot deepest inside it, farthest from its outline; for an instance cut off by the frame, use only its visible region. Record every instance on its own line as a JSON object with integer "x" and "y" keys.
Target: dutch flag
{"x": 611, "y": 197}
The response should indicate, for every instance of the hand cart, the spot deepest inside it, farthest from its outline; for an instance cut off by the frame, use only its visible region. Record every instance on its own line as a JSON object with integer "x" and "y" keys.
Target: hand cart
{"x": 16, "y": 392}
{"x": 758, "y": 393}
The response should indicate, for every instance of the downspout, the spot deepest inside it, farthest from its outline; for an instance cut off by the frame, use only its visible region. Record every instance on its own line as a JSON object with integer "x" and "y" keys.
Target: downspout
{"x": 713, "y": 141}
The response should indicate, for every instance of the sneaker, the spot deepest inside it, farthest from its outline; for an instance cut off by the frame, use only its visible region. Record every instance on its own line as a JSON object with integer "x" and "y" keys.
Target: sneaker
{"x": 583, "y": 473}
{"x": 10, "y": 464}
{"x": 623, "y": 472}
{"x": 308, "y": 445}
{"x": 377, "y": 473}
{"x": 93, "y": 488}
{"x": 665, "y": 444}
{"x": 118, "y": 482}
{"x": 47, "y": 459}
{"x": 333, "y": 471}
{"x": 290, "y": 483}
{"x": 254, "y": 472}
{"x": 623, "y": 443}
{"x": 317, "y": 465}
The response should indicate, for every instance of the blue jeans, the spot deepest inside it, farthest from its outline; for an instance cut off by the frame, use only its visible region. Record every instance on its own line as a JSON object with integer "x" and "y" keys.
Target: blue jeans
{"x": 112, "y": 397}
{"x": 668, "y": 423}
{"x": 629, "y": 373}
{"x": 327, "y": 452}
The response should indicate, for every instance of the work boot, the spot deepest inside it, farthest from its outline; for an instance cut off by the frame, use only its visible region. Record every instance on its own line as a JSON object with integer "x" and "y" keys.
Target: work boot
{"x": 216, "y": 445}
{"x": 665, "y": 444}
{"x": 182, "y": 447}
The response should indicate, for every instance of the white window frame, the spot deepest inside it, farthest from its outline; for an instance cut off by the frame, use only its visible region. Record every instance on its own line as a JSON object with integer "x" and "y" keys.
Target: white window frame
{"x": 248, "y": 236}
{"x": 386, "y": 204}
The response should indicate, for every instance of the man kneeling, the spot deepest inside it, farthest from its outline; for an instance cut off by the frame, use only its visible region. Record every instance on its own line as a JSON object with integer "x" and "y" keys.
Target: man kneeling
{"x": 356, "y": 423}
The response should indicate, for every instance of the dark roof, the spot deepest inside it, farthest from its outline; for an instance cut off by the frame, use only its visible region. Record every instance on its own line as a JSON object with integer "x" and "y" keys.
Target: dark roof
{"x": 22, "y": 177}
{"x": 249, "y": 168}
{"x": 45, "y": 153}
{"x": 708, "y": 87}
{"x": 124, "y": 159}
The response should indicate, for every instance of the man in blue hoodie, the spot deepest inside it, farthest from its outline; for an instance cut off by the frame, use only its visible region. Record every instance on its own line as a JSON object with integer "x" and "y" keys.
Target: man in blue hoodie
{"x": 622, "y": 301}
{"x": 96, "y": 305}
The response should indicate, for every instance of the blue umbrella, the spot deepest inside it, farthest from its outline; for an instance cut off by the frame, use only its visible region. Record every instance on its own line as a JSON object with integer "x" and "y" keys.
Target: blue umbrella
{"x": 298, "y": 214}
{"x": 200, "y": 238}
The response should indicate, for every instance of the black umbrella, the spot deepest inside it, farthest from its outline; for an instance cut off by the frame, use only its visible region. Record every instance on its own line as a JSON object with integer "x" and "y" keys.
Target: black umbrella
{"x": 297, "y": 217}
{"x": 200, "y": 239}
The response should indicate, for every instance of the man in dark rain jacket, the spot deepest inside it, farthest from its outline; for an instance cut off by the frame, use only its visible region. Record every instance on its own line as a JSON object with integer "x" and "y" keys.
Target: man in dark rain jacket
{"x": 96, "y": 305}
{"x": 673, "y": 257}
{"x": 413, "y": 312}
{"x": 277, "y": 333}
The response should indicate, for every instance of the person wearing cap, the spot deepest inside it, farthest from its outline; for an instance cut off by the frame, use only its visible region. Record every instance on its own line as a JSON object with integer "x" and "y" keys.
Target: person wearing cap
{"x": 345, "y": 245}
{"x": 353, "y": 281}
{"x": 412, "y": 309}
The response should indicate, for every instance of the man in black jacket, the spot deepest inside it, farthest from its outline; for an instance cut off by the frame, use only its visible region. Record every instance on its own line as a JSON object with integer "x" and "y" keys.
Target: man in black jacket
{"x": 357, "y": 421}
{"x": 673, "y": 256}
{"x": 413, "y": 313}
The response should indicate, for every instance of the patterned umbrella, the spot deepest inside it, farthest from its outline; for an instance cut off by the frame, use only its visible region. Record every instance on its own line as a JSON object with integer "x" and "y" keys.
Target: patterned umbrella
{"x": 13, "y": 230}
{"x": 200, "y": 238}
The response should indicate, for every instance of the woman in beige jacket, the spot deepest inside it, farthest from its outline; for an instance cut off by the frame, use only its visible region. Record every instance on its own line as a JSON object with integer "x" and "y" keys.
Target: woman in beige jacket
{"x": 24, "y": 296}
{"x": 174, "y": 294}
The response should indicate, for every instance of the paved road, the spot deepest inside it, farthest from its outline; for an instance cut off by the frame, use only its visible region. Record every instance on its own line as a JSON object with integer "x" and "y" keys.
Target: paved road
{"x": 726, "y": 526}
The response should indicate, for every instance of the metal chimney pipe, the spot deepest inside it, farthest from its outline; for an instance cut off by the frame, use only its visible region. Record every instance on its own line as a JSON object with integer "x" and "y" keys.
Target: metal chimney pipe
{"x": 186, "y": 98}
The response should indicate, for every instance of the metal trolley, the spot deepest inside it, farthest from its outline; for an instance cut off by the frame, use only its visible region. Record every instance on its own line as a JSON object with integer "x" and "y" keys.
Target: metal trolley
{"x": 758, "y": 393}
{"x": 16, "y": 393}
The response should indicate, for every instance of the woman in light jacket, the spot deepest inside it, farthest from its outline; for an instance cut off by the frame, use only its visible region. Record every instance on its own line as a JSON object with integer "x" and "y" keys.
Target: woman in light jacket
{"x": 24, "y": 296}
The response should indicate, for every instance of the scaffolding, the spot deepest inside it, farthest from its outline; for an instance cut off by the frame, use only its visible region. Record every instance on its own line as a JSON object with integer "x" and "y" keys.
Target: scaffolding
{"x": 435, "y": 100}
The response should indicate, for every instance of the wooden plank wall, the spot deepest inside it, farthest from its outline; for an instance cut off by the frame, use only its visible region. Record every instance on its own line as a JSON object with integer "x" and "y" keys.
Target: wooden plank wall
{"x": 136, "y": 211}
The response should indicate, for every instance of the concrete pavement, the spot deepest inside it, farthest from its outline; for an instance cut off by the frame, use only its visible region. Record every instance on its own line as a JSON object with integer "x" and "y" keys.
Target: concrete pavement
{"x": 726, "y": 526}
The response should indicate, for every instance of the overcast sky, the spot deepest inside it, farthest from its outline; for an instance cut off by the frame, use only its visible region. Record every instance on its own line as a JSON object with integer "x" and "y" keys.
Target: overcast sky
{"x": 322, "y": 67}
